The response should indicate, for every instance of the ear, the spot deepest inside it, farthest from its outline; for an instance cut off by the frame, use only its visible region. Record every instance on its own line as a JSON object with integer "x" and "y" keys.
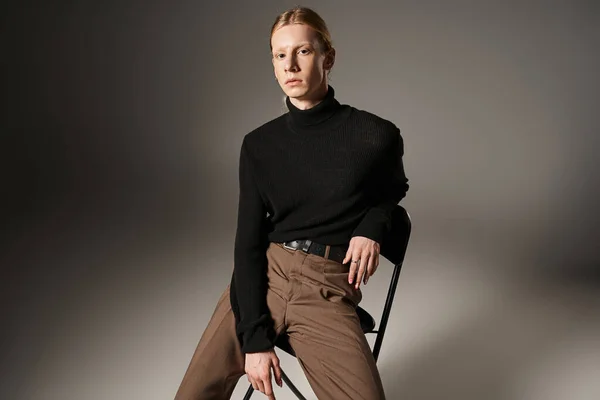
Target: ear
{"x": 329, "y": 59}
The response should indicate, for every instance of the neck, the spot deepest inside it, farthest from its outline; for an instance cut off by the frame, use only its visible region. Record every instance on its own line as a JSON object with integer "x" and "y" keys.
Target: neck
{"x": 315, "y": 117}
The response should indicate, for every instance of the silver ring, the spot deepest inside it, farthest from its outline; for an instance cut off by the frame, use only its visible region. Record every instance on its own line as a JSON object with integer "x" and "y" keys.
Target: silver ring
{"x": 355, "y": 261}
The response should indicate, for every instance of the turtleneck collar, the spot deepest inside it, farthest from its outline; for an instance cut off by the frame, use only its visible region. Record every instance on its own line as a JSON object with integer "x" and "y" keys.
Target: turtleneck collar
{"x": 317, "y": 117}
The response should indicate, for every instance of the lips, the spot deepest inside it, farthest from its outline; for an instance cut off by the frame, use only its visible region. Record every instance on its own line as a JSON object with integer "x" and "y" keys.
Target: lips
{"x": 292, "y": 80}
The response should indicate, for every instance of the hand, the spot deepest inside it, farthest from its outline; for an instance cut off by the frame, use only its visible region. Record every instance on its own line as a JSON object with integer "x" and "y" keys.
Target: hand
{"x": 366, "y": 252}
{"x": 258, "y": 370}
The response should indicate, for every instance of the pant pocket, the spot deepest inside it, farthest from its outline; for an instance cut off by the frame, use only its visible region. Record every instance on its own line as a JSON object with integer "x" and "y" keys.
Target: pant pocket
{"x": 336, "y": 285}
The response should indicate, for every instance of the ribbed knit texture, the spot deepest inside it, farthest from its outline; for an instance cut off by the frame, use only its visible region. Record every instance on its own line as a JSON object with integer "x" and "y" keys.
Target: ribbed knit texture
{"x": 327, "y": 173}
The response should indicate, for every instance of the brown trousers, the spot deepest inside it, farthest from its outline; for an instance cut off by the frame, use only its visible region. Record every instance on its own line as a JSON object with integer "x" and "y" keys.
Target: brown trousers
{"x": 310, "y": 299}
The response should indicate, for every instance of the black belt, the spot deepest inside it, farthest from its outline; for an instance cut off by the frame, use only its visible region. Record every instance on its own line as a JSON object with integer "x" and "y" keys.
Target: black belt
{"x": 336, "y": 252}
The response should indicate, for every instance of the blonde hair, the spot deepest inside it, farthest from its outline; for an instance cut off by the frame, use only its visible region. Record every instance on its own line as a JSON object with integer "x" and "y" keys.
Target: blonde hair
{"x": 307, "y": 16}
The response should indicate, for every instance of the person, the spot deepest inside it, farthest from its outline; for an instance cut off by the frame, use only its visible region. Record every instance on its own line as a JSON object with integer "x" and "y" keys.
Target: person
{"x": 317, "y": 186}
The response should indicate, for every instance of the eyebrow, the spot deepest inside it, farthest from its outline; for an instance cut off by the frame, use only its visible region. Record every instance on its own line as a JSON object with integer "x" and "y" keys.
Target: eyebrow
{"x": 298, "y": 45}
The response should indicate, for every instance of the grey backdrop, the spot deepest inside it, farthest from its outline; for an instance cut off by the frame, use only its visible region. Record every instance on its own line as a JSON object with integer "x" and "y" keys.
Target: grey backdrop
{"x": 121, "y": 129}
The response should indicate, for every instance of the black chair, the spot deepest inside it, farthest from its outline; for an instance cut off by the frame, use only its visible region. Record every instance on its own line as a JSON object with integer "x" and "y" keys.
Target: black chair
{"x": 393, "y": 248}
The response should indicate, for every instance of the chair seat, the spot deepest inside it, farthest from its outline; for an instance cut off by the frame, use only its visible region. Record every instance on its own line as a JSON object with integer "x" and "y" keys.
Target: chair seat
{"x": 367, "y": 324}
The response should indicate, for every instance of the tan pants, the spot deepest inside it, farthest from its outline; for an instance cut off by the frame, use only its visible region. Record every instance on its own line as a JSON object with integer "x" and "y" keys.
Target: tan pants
{"x": 311, "y": 300}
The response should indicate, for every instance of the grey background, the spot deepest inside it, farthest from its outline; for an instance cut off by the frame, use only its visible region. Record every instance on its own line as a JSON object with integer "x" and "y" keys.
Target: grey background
{"x": 121, "y": 128}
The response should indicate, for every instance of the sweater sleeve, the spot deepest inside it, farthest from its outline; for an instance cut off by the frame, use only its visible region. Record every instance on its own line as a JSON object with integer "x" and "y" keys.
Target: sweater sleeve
{"x": 394, "y": 185}
{"x": 255, "y": 328}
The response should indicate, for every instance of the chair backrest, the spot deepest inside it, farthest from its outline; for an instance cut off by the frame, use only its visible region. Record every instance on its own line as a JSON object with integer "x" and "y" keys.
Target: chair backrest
{"x": 393, "y": 248}
{"x": 395, "y": 242}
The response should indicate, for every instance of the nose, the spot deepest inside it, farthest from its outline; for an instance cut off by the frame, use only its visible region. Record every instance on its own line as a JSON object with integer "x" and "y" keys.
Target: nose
{"x": 291, "y": 63}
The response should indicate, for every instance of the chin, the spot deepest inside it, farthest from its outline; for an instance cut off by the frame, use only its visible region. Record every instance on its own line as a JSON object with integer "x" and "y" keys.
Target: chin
{"x": 295, "y": 91}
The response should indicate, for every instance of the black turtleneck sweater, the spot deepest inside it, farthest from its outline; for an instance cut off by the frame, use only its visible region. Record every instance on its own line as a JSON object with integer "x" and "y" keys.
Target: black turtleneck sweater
{"x": 327, "y": 173}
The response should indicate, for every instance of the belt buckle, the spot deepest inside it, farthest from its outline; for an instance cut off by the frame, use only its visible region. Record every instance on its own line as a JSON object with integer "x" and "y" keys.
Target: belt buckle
{"x": 288, "y": 247}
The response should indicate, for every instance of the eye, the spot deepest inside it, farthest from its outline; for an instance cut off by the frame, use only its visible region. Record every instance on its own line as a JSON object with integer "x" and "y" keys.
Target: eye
{"x": 306, "y": 51}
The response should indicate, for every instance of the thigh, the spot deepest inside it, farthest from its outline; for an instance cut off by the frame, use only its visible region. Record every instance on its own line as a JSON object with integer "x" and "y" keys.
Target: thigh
{"x": 325, "y": 333}
{"x": 217, "y": 362}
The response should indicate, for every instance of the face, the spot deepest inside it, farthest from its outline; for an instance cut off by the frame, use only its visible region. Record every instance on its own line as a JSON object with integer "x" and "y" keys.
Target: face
{"x": 297, "y": 54}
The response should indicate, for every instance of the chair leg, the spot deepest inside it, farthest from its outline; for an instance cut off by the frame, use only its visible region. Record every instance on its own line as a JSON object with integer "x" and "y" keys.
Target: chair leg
{"x": 249, "y": 393}
{"x": 293, "y": 388}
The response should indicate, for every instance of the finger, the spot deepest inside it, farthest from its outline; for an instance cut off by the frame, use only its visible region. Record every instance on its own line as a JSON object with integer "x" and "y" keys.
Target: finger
{"x": 267, "y": 385}
{"x": 348, "y": 255}
{"x": 353, "y": 266}
{"x": 277, "y": 371}
{"x": 361, "y": 271}
{"x": 370, "y": 269}
{"x": 253, "y": 383}
{"x": 260, "y": 384}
